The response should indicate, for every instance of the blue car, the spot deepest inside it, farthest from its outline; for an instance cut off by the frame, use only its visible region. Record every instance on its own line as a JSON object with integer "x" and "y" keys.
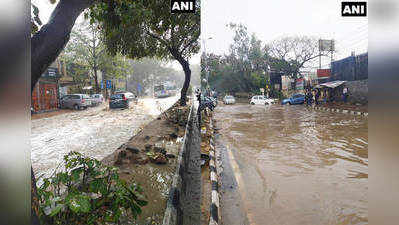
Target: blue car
{"x": 295, "y": 99}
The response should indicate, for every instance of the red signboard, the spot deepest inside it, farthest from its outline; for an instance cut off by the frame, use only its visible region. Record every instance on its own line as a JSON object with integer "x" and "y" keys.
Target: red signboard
{"x": 44, "y": 97}
{"x": 323, "y": 73}
{"x": 299, "y": 83}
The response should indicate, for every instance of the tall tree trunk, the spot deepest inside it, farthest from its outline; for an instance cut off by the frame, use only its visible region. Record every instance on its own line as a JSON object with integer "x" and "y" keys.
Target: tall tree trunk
{"x": 187, "y": 76}
{"x": 46, "y": 45}
{"x": 96, "y": 81}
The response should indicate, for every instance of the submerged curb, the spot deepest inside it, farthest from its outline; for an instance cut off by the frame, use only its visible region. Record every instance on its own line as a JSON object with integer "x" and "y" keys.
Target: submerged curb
{"x": 341, "y": 111}
{"x": 215, "y": 206}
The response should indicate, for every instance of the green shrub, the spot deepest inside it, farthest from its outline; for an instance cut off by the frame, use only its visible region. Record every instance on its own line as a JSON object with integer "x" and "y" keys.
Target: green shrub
{"x": 87, "y": 192}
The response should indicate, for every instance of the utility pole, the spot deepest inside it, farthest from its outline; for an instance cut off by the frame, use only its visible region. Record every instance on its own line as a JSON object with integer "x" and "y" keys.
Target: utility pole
{"x": 332, "y": 51}
{"x": 319, "y": 53}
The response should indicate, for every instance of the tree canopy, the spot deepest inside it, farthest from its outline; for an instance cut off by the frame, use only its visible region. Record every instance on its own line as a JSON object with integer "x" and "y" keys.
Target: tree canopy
{"x": 250, "y": 63}
{"x": 146, "y": 28}
{"x": 85, "y": 55}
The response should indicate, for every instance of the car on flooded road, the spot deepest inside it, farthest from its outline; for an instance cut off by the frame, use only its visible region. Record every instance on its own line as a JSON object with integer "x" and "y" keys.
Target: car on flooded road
{"x": 96, "y": 99}
{"x": 261, "y": 100}
{"x": 228, "y": 99}
{"x": 119, "y": 101}
{"x": 75, "y": 101}
{"x": 295, "y": 99}
{"x": 130, "y": 96}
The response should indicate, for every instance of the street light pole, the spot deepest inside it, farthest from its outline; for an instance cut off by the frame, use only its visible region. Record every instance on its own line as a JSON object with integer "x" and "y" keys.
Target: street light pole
{"x": 206, "y": 65}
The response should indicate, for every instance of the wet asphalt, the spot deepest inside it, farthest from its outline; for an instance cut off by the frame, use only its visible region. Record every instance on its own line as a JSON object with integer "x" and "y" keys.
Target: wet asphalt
{"x": 95, "y": 132}
{"x": 291, "y": 165}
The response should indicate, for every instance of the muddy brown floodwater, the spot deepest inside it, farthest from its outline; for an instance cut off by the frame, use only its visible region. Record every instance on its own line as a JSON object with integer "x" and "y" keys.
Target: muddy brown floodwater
{"x": 292, "y": 165}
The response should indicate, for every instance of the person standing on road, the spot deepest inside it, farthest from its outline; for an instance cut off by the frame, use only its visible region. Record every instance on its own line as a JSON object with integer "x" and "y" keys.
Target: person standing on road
{"x": 310, "y": 97}
{"x": 324, "y": 96}
{"x": 317, "y": 96}
{"x": 345, "y": 94}
{"x": 307, "y": 99}
{"x": 313, "y": 92}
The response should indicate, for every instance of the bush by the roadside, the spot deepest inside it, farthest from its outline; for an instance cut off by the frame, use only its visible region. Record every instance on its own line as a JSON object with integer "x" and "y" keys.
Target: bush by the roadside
{"x": 87, "y": 192}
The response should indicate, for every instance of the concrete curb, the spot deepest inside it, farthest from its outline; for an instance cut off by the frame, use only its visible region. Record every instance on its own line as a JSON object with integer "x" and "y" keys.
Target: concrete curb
{"x": 345, "y": 111}
{"x": 215, "y": 206}
{"x": 173, "y": 208}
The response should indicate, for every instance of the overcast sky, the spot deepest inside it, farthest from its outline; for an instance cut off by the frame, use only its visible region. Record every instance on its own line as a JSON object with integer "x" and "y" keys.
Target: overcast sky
{"x": 272, "y": 19}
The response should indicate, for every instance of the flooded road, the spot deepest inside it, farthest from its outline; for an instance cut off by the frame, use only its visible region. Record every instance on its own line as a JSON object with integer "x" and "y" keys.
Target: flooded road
{"x": 292, "y": 165}
{"x": 95, "y": 132}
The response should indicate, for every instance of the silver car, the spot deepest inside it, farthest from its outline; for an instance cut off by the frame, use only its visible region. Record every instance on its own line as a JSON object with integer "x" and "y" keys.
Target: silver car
{"x": 75, "y": 101}
{"x": 96, "y": 99}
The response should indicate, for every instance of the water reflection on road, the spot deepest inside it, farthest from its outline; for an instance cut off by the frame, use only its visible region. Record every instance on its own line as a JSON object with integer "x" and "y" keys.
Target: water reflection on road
{"x": 297, "y": 166}
{"x": 95, "y": 132}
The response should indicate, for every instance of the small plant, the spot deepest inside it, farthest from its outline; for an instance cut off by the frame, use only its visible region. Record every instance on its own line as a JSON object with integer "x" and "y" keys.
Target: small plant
{"x": 87, "y": 192}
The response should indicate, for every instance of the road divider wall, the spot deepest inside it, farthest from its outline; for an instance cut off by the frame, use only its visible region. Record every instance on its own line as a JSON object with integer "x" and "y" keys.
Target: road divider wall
{"x": 183, "y": 205}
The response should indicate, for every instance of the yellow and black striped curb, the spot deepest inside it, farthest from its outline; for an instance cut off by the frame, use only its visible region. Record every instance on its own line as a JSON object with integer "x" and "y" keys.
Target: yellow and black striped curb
{"x": 215, "y": 206}
{"x": 346, "y": 111}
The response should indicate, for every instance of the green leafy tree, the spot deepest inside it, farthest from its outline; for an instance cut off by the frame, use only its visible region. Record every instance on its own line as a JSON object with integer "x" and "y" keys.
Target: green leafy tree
{"x": 146, "y": 28}
{"x": 87, "y": 192}
{"x": 87, "y": 50}
{"x": 85, "y": 55}
{"x": 244, "y": 69}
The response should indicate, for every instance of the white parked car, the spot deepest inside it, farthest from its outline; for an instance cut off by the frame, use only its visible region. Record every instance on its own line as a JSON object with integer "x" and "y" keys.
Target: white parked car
{"x": 261, "y": 100}
{"x": 228, "y": 99}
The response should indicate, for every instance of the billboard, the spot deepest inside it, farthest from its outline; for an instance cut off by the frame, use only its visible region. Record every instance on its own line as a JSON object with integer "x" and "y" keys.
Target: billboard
{"x": 300, "y": 84}
{"x": 323, "y": 73}
{"x": 326, "y": 45}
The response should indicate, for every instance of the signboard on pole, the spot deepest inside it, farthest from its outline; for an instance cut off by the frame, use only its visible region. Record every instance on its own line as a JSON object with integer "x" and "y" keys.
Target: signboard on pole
{"x": 108, "y": 84}
{"x": 138, "y": 88}
{"x": 299, "y": 84}
{"x": 326, "y": 45}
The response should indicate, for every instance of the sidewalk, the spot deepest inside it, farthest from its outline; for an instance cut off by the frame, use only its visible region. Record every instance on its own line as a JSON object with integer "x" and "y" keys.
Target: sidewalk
{"x": 345, "y": 106}
{"x": 50, "y": 114}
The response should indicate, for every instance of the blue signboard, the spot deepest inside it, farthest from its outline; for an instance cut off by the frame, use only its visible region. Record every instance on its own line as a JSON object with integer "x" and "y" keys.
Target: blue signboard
{"x": 102, "y": 84}
{"x": 138, "y": 88}
{"x": 108, "y": 83}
